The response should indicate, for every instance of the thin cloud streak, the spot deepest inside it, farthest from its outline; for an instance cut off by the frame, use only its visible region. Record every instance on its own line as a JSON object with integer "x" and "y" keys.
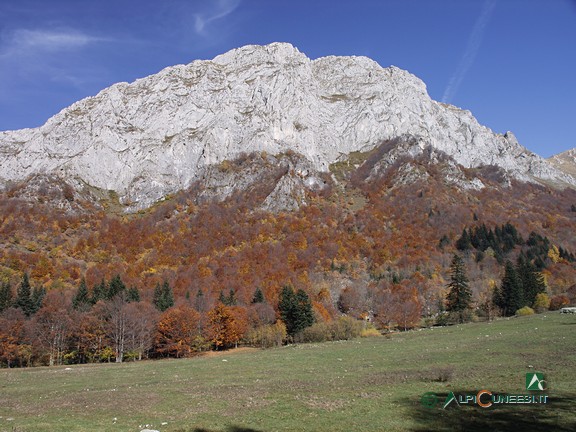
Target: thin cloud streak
{"x": 39, "y": 55}
{"x": 23, "y": 42}
{"x": 223, "y": 8}
{"x": 472, "y": 48}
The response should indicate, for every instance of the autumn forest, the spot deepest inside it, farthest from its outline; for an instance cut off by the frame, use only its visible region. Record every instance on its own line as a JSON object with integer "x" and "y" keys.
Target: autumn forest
{"x": 362, "y": 256}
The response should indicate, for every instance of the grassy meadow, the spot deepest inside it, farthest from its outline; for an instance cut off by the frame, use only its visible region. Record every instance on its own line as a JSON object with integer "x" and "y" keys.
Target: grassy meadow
{"x": 371, "y": 384}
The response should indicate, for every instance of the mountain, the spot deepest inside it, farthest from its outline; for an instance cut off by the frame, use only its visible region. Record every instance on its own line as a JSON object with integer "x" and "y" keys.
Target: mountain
{"x": 258, "y": 172}
{"x": 167, "y": 132}
{"x": 565, "y": 162}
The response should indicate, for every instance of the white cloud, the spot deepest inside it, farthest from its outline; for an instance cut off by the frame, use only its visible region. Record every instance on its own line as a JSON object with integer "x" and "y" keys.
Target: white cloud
{"x": 23, "y": 42}
{"x": 472, "y": 48}
{"x": 221, "y": 9}
{"x": 29, "y": 56}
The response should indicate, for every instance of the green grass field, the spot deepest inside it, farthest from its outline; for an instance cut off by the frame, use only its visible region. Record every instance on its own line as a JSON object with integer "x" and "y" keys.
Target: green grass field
{"x": 372, "y": 384}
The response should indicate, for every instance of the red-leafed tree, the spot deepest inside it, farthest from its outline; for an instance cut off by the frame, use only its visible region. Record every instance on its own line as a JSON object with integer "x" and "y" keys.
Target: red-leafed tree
{"x": 178, "y": 332}
{"x": 51, "y": 327}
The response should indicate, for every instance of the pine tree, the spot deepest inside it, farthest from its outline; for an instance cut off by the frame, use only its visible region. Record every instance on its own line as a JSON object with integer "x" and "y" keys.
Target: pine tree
{"x": 295, "y": 310}
{"x": 115, "y": 287}
{"x": 200, "y": 302}
{"x": 38, "y": 294}
{"x": 99, "y": 292}
{"x": 81, "y": 300}
{"x": 222, "y": 297}
{"x": 443, "y": 242}
{"x": 459, "y": 297}
{"x": 464, "y": 243}
{"x": 287, "y": 307}
{"x": 258, "y": 296}
{"x": 509, "y": 297}
{"x": 133, "y": 295}
{"x": 305, "y": 313}
{"x": 163, "y": 297}
{"x": 5, "y": 296}
{"x": 531, "y": 280}
{"x": 167, "y": 296}
{"x": 231, "y": 300}
{"x": 24, "y": 296}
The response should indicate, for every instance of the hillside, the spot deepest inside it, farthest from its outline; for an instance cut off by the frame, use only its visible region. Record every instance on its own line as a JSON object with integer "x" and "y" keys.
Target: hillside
{"x": 365, "y": 384}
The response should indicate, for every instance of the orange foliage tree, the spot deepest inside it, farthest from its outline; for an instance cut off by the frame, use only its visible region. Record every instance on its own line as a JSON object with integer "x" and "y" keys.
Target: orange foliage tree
{"x": 228, "y": 324}
{"x": 178, "y": 332}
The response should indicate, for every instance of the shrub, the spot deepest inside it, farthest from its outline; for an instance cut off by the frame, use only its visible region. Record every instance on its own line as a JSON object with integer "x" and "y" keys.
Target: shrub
{"x": 318, "y": 332}
{"x": 542, "y": 302}
{"x": 451, "y": 318}
{"x": 443, "y": 374}
{"x": 267, "y": 336}
{"x": 558, "y": 302}
{"x": 526, "y": 310}
{"x": 442, "y": 319}
{"x": 370, "y": 331}
{"x": 343, "y": 328}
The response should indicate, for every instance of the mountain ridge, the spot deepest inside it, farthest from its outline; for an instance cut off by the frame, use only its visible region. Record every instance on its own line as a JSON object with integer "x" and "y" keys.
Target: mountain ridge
{"x": 159, "y": 134}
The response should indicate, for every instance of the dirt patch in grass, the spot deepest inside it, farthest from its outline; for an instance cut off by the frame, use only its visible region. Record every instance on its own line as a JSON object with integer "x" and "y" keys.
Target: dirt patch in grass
{"x": 234, "y": 351}
{"x": 322, "y": 403}
{"x": 434, "y": 374}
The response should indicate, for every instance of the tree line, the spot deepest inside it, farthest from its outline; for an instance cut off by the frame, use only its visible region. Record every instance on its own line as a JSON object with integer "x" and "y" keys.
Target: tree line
{"x": 112, "y": 322}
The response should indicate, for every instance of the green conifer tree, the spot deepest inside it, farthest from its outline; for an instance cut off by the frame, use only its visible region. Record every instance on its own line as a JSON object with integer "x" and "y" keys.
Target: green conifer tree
{"x": 81, "y": 300}
{"x": 464, "y": 243}
{"x": 231, "y": 300}
{"x": 531, "y": 280}
{"x": 133, "y": 295}
{"x": 459, "y": 299}
{"x": 163, "y": 296}
{"x": 295, "y": 310}
{"x": 99, "y": 292}
{"x": 305, "y": 313}
{"x": 5, "y": 296}
{"x": 510, "y": 297}
{"x": 200, "y": 302}
{"x": 24, "y": 296}
{"x": 115, "y": 287}
{"x": 258, "y": 296}
{"x": 38, "y": 294}
{"x": 287, "y": 307}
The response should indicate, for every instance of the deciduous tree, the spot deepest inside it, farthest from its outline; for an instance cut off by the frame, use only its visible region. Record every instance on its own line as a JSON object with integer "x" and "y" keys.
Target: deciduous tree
{"x": 178, "y": 332}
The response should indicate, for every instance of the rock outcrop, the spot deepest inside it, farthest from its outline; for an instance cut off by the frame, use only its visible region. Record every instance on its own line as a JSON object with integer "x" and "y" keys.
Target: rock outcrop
{"x": 158, "y": 134}
{"x": 565, "y": 161}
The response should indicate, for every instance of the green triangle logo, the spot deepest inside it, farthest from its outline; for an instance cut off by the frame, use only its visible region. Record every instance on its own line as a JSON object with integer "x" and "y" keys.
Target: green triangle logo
{"x": 534, "y": 381}
{"x": 449, "y": 399}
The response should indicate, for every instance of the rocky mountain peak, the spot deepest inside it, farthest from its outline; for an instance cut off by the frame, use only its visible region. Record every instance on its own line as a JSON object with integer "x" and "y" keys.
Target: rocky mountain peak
{"x": 159, "y": 134}
{"x": 565, "y": 161}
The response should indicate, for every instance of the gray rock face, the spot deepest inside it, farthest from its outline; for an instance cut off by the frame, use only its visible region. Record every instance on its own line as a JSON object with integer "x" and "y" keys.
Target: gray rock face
{"x": 156, "y": 135}
{"x": 565, "y": 161}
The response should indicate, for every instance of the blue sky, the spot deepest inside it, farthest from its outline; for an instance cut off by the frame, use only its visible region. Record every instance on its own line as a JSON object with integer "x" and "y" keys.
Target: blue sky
{"x": 511, "y": 62}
